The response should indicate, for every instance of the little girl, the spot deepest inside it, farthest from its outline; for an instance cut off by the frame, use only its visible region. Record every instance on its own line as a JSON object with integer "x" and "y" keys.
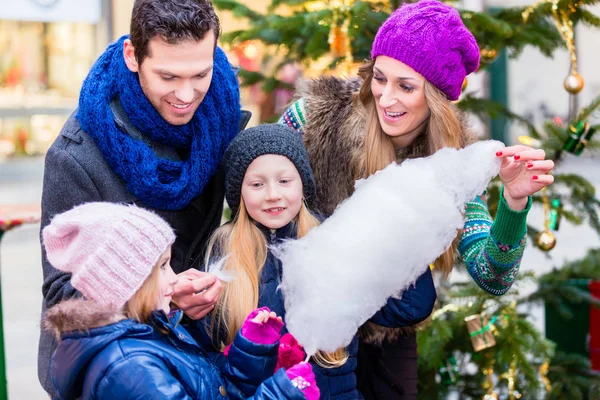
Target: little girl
{"x": 122, "y": 342}
{"x": 269, "y": 186}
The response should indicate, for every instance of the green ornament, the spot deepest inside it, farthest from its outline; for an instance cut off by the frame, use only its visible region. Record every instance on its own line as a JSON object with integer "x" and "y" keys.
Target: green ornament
{"x": 576, "y": 132}
{"x": 584, "y": 141}
{"x": 449, "y": 371}
{"x": 555, "y": 214}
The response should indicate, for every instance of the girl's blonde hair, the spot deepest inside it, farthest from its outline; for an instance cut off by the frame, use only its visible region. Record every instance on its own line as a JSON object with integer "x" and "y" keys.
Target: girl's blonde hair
{"x": 442, "y": 129}
{"x": 144, "y": 301}
{"x": 246, "y": 248}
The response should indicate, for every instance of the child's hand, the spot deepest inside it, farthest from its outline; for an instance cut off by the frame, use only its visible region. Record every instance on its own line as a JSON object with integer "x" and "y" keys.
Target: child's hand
{"x": 303, "y": 378}
{"x": 263, "y": 316}
{"x": 290, "y": 352}
{"x": 262, "y": 326}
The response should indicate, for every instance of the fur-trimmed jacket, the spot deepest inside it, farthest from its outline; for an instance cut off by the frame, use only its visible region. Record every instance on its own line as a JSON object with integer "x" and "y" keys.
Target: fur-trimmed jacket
{"x": 103, "y": 355}
{"x": 333, "y": 126}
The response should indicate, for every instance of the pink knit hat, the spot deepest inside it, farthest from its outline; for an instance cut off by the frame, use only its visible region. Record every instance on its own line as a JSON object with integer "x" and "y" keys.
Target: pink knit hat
{"x": 430, "y": 37}
{"x": 109, "y": 249}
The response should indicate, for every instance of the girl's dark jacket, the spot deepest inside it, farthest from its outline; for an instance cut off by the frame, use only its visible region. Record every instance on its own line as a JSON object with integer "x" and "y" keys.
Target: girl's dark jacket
{"x": 334, "y": 383}
{"x": 102, "y": 355}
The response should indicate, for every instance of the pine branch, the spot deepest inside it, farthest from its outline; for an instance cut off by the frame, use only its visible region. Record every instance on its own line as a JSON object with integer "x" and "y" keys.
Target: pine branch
{"x": 589, "y": 110}
{"x": 484, "y": 108}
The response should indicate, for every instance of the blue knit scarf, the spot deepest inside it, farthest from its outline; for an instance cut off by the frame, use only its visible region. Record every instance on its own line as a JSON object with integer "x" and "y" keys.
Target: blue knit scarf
{"x": 159, "y": 183}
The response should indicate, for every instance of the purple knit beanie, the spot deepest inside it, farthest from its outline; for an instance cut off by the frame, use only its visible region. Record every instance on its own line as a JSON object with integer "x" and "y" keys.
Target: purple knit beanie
{"x": 109, "y": 249}
{"x": 430, "y": 37}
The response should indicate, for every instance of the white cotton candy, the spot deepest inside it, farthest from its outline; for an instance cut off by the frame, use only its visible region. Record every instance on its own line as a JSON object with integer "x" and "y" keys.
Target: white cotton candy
{"x": 378, "y": 242}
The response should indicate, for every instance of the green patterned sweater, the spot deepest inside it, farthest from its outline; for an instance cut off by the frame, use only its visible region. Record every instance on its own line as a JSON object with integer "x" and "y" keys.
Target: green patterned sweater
{"x": 491, "y": 250}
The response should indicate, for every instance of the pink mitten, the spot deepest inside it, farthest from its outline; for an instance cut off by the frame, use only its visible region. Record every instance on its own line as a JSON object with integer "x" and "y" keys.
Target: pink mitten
{"x": 267, "y": 333}
{"x": 290, "y": 352}
{"x": 303, "y": 377}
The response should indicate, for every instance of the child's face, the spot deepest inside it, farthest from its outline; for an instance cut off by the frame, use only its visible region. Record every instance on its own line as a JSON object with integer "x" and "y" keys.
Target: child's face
{"x": 167, "y": 279}
{"x": 272, "y": 191}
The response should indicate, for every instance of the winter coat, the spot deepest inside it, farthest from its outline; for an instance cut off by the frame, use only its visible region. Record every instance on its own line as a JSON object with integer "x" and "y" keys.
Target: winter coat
{"x": 334, "y": 383}
{"x": 102, "y": 355}
{"x": 76, "y": 173}
{"x": 333, "y": 136}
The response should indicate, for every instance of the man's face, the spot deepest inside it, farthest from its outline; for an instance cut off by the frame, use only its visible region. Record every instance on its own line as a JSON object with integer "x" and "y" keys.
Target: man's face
{"x": 174, "y": 77}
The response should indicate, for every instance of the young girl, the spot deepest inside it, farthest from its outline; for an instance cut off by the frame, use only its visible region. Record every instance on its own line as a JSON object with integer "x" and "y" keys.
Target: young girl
{"x": 121, "y": 342}
{"x": 400, "y": 108}
{"x": 269, "y": 187}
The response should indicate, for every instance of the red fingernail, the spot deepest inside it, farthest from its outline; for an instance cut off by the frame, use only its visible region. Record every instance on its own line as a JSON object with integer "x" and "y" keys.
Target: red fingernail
{"x": 499, "y": 153}
{"x": 517, "y": 157}
{"x": 529, "y": 165}
{"x": 535, "y": 177}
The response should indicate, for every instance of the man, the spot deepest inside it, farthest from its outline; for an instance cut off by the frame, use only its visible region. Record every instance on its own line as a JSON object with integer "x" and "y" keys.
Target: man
{"x": 156, "y": 113}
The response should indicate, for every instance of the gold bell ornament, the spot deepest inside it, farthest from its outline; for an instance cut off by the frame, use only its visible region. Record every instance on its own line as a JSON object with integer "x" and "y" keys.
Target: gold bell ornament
{"x": 546, "y": 240}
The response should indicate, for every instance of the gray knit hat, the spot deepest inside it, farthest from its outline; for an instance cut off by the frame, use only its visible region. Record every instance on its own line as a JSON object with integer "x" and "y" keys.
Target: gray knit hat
{"x": 258, "y": 141}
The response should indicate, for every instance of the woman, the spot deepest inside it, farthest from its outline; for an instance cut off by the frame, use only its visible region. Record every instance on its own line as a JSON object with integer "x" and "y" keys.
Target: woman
{"x": 401, "y": 107}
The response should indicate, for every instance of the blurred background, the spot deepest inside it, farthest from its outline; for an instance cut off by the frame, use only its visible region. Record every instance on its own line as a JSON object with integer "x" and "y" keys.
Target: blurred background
{"x": 48, "y": 46}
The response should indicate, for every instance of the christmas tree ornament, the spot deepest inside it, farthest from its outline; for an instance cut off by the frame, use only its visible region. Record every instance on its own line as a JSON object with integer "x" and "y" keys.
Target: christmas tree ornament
{"x": 488, "y": 383}
{"x": 558, "y": 122}
{"x": 576, "y": 133}
{"x": 464, "y": 84}
{"x": 480, "y": 330}
{"x": 338, "y": 41}
{"x": 488, "y": 54}
{"x": 543, "y": 372}
{"x": 590, "y": 130}
{"x": 545, "y": 240}
{"x": 573, "y": 83}
{"x": 529, "y": 141}
{"x": 449, "y": 371}
{"x": 511, "y": 376}
{"x": 339, "y": 38}
{"x": 555, "y": 214}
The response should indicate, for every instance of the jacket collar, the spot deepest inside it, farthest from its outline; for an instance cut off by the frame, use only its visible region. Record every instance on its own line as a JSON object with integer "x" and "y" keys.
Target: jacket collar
{"x": 125, "y": 125}
{"x": 275, "y": 235}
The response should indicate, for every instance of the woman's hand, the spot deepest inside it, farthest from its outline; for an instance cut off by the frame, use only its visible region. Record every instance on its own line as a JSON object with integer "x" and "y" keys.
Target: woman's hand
{"x": 524, "y": 171}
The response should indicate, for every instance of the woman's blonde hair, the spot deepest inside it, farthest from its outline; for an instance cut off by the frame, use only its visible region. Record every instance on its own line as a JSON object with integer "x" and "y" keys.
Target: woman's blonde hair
{"x": 144, "y": 301}
{"x": 442, "y": 129}
{"x": 246, "y": 248}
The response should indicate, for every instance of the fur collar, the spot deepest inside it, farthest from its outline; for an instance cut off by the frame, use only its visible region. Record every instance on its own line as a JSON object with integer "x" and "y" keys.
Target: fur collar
{"x": 79, "y": 315}
{"x": 333, "y": 137}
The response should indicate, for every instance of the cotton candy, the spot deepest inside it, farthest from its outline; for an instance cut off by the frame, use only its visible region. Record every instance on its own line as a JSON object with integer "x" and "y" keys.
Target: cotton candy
{"x": 378, "y": 242}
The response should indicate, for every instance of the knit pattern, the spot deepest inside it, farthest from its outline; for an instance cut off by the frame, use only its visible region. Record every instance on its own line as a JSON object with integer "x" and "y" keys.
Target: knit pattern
{"x": 109, "y": 249}
{"x": 260, "y": 140}
{"x": 492, "y": 262}
{"x": 159, "y": 183}
{"x": 430, "y": 37}
{"x": 294, "y": 116}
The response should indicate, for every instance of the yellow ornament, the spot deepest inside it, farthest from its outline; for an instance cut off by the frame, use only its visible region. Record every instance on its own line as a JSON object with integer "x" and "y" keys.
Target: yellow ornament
{"x": 573, "y": 83}
{"x": 464, "y": 85}
{"x": 545, "y": 241}
{"x": 488, "y": 54}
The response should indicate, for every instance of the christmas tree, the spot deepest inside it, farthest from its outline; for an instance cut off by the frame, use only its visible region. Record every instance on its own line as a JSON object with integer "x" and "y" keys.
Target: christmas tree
{"x": 475, "y": 345}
